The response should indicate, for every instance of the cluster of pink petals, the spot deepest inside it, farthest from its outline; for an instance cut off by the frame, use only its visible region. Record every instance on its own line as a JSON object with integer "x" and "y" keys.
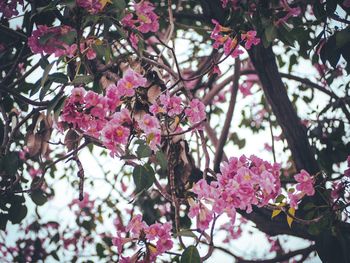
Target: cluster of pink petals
{"x": 85, "y": 111}
{"x": 157, "y": 237}
{"x": 131, "y": 80}
{"x": 221, "y": 37}
{"x": 8, "y": 8}
{"x": 151, "y": 127}
{"x": 171, "y": 104}
{"x": 86, "y": 203}
{"x": 243, "y": 182}
{"x": 305, "y": 183}
{"x": 291, "y": 12}
{"x": 246, "y": 86}
{"x": 96, "y": 114}
{"x": 92, "y": 6}
{"x": 250, "y": 39}
{"x": 196, "y": 111}
{"x": 146, "y": 21}
{"x": 53, "y": 45}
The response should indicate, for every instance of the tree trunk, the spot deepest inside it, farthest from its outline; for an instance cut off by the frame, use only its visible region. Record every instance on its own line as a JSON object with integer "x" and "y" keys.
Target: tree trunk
{"x": 264, "y": 62}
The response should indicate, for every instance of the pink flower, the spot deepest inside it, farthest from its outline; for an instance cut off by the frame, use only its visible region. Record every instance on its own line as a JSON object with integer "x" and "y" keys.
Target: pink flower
{"x": 149, "y": 124}
{"x": 134, "y": 40}
{"x": 129, "y": 82}
{"x": 196, "y": 111}
{"x": 92, "y": 6}
{"x": 35, "y": 172}
{"x": 113, "y": 97}
{"x": 171, "y": 104}
{"x": 250, "y": 39}
{"x": 242, "y": 183}
{"x": 53, "y": 44}
{"x": 292, "y": 12}
{"x": 202, "y": 213}
{"x": 338, "y": 190}
{"x": 136, "y": 225}
{"x": 305, "y": 183}
{"x": 147, "y": 19}
{"x": 155, "y": 109}
{"x": 294, "y": 198}
{"x": 9, "y": 7}
{"x": 113, "y": 135}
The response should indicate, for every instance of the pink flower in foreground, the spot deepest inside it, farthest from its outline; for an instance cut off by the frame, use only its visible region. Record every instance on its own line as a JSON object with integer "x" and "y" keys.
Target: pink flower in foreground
{"x": 136, "y": 225}
{"x": 158, "y": 233}
{"x": 149, "y": 124}
{"x": 202, "y": 213}
{"x": 305, "y": 183}
{"x": 196, "y": 111}
{"x": 147, "y": 19}
{"x": 171, "y": 104}
{"x": 113, "y": 135}
{"x": 129, "y": 82}
{"x": 243, "y": 182}
{"x": 250, "y": 39}
{"x": 113, "y": 97}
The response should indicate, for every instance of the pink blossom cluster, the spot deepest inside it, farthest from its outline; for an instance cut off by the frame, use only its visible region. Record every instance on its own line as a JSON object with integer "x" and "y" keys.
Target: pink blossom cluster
{"x": 305, "y": 186}
{"x": 146, "y": 19}
{"x": 92, "y": 6}
{"x": 291, "y": 12}
{"x": 242, "y": 183}
{"x": 54, "y": 44}
{"x": 157, "y": 237}
{"x": 8, "y": 8}
{"x": 151, "y": 127}
{"x": 221, "y": 37}
{"x": 97, "y": 115}
{"x": 305, "y": 183}
{"x": 169, "y": 104}
{"x": 85, "y": 110}
{"x": 196, "y": 111}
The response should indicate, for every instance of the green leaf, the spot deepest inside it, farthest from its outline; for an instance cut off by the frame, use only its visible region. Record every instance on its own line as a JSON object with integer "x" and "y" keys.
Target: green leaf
{"x": 270, "y": 33}
{"x": 162, "y": 161}
{"x": 9, "y": 163}
{"x": 3, "y": 221}
{"x": 39, "y": 197}
{"x": 185, "y": 233}
{"x": 143, "y": 151}
{"x": 100, "y": 250}
{"x": 58, "y": 77}
{"x": 17, "y": 213}
{"x": 143, "y": 177}
{"x": 190, "y": 255}
{"x": 55, "y": 256}
{"x": 280, "y": 198}
{"x": 46, "y": 74}
{"x": 85, "y": 79}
